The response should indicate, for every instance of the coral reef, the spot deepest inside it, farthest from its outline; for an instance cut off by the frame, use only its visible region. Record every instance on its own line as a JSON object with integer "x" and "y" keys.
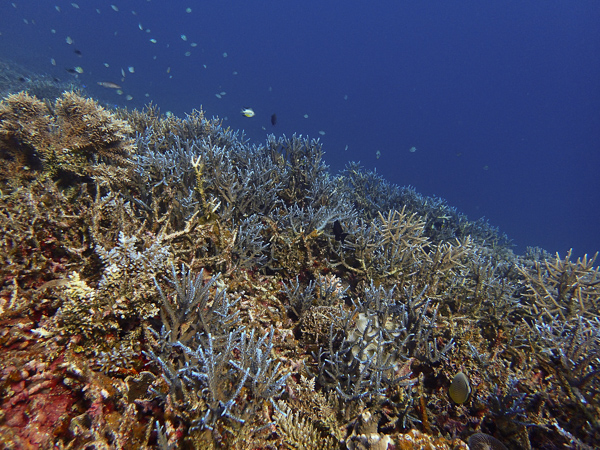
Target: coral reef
{"x": 188, "y": 289}
{"x": 73, "y": 136}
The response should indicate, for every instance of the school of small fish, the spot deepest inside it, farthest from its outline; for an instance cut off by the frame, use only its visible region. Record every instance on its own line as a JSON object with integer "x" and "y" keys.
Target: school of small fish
{"x": 113, "y": 74}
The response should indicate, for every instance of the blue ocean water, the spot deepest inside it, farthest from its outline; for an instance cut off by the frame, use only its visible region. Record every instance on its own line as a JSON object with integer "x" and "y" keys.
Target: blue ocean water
{"x": 499, "y": 101}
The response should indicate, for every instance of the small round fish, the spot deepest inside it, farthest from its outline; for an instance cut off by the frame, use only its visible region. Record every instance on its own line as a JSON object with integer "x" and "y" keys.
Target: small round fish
{"x": 248, "y": 112}
{"x": 460, "y": 389}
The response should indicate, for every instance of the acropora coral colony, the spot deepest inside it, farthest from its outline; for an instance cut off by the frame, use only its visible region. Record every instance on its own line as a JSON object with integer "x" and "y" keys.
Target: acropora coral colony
{"x": 166, "y": 284}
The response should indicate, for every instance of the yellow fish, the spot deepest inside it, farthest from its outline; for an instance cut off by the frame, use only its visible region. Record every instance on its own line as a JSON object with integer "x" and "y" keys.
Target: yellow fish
{"x": 248, "y": 112}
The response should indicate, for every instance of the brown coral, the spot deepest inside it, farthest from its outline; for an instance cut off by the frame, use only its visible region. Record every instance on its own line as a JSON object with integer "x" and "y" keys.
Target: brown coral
{"x": 24, "y": 130}
{"x": 73, "y": 136}
{"x": 88, "y": 131}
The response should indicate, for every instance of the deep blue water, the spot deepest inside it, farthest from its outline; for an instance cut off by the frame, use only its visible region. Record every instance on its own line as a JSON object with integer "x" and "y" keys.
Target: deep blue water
{"x": 501, "y": 99}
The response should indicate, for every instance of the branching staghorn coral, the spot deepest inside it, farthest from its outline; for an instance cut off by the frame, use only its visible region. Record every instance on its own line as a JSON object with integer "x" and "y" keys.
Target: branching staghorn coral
{"x": 387, "y": 247}
{"x": 207, "y": 357}
{"x": 488, "y": 286}
{"x": 165, "y": 183}
{"x": 572, "y": 347}
{"x": 265, "y": 379}
{"x": 126, "y": 291}
{"x": 207, "y": 371}
{"x": 563, "y": 288}
{"x": 41, "y": 239}
{"x": 300, "y": 162}
{"x": 371, "y": 194}
{"x": 296, "y": 235}
{"x": 325, "y": 291}
{"x": 186, "y": 312}
{"x": 244, "y": 178}
{"x": 164, "y": 130}
{"x": 380, "y": 335}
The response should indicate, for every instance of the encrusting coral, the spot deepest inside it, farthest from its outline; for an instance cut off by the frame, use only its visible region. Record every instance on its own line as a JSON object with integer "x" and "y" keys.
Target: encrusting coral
{"x": 185, "y": 289}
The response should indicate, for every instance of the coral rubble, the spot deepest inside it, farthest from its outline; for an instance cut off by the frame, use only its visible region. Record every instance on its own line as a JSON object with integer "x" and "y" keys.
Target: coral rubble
{"x": 166, "y": 284}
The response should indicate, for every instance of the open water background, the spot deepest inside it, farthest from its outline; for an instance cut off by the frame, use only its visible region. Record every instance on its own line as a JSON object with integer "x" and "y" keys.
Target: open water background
{"x": 501, "y": 99}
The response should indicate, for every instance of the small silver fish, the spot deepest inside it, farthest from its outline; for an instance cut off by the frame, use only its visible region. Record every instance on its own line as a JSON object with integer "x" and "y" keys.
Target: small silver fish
{"x": 109, "y": 84}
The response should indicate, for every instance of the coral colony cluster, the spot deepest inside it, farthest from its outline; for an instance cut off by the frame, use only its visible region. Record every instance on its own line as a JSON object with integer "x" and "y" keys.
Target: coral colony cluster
{"x": 166, "y": 284}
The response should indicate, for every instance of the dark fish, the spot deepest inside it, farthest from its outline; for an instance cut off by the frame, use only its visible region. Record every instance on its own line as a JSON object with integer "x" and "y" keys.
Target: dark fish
{"x": 78, "y": 52}
{"x": 71, "y": 70}
{"x": 273, "y": 119}
{"x": 338, "y": 231}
